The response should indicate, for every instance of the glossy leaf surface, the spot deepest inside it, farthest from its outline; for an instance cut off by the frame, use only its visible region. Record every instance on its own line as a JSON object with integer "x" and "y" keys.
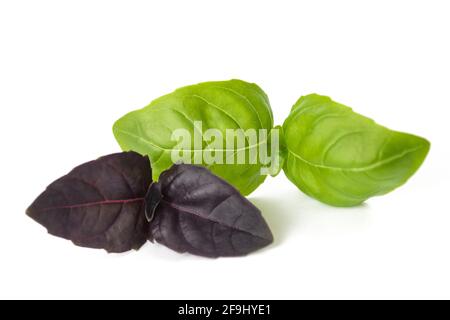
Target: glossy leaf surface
{"x": 99, "y": 204}
{"x": 220, "y": 105}
{"x": 342, "y": 158}
{"x": 192, "y": 210}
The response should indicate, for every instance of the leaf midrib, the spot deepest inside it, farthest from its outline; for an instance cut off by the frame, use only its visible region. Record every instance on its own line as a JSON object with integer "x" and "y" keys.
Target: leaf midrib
{"x": 92, "y": 204}
{"x": 357, "y": 169}
{"x": 190, "y": 150}
{"x": 196, "y": 214}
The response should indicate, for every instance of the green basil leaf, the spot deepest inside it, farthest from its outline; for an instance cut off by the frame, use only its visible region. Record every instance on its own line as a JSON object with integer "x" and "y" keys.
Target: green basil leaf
{"x": 223, "y": 105}
{"x": 342, "y": 158}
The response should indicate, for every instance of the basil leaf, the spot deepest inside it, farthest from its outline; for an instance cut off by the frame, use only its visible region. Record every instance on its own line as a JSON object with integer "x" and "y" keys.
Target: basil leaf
{"x": 233, "y": 104}
{"x": 192, "y": 210}
{"x": 99, "y": 204}
{"x": 342, "y": 158}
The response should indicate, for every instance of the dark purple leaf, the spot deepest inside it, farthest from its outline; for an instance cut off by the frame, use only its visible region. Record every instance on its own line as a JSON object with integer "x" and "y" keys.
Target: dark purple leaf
{"x": 192, "y": 210}
{"x": 99, "y": 204}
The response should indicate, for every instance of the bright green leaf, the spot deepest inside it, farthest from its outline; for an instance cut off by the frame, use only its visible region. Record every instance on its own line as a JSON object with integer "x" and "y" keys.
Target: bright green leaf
{"x": 342, "y": 158}
{"x": 233, "y": 104}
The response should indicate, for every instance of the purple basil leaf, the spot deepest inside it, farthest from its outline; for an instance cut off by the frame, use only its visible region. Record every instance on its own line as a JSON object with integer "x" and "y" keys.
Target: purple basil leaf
{"x": 99, "y": 204}
{"x": 192, "y": 210}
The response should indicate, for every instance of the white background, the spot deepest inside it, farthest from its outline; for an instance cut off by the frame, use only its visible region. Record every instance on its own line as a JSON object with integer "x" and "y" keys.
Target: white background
{"x": 69, "y": 69}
